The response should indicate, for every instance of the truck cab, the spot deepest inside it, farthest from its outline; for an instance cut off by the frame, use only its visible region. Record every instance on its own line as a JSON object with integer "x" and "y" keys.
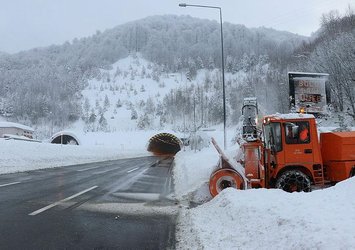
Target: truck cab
{"x": 292, "y": 152}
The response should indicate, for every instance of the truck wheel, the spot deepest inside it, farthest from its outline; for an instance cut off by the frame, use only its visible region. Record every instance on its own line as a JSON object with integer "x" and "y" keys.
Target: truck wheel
{"x": 294, "y": 181}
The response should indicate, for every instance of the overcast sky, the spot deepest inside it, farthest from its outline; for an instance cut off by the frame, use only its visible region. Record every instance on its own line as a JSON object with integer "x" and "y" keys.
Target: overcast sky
{"x": 26, "y": 24}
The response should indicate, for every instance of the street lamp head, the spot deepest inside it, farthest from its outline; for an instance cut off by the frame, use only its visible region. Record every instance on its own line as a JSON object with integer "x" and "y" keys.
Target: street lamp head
{"x": 182, "y": 4}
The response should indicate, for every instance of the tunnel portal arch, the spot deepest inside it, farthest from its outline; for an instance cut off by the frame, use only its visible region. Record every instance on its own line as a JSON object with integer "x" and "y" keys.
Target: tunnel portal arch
{"x": 65, "y": 138}
{"x": 164, "y": 144}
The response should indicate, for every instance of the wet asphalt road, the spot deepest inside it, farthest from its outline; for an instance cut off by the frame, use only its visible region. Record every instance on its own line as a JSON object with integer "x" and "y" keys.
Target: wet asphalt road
{"x": 123, "y": 204}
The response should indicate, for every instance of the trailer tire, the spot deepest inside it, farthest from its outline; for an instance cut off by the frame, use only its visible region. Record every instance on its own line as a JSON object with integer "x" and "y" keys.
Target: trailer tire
{"x": 293, "y": 181}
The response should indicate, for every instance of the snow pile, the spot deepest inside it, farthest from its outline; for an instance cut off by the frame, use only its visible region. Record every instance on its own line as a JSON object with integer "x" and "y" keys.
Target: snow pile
{"x": 19, "y": 156}
{"x": 193, "y": 167}
{"x": 273, "y": 219}
{"x": 191, "y": 172}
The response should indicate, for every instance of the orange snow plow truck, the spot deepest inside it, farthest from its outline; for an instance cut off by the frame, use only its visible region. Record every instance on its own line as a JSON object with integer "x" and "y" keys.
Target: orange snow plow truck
{"x": 290, "y": 156}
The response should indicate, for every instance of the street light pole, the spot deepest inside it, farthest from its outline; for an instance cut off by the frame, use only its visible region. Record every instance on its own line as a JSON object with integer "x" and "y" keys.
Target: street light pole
{"x": 223, "y": 84}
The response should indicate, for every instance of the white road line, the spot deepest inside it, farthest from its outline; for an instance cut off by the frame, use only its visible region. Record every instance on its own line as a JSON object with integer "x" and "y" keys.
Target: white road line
{"x": 9, "y": 184}
{"x": 102, "y": 172}
{"x": 61, "y": 201}
{"x": 134, "y": 169}
{"x": 105, "y": 171}
{"x": 85, "y": 169}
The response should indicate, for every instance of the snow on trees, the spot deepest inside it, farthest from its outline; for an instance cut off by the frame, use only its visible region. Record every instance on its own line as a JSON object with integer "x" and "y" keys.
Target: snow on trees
{"x": 40, "y": 82}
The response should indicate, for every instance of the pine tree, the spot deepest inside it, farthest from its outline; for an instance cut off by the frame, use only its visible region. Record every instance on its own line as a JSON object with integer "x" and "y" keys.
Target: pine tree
{"x": 103, "y": 123}
{"x": 143, "y": 72}
{"x": 144, "y": 122}
{"x": 92, "y": 117}
{"x": 106, "y": 103}
{"x": 86, "y": 107}
{"x": 142, "y": 88}
{"x": 134, "y": 114}
{"x": 150, "y": 106}
{"x": 118, "y": 103}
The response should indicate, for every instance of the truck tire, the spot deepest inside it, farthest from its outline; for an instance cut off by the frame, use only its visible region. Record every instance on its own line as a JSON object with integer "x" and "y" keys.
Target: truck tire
{"x": 294, "y": 181}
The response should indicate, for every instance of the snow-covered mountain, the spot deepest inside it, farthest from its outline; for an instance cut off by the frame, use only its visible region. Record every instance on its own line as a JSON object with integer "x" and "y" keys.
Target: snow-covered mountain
{"x": 44, "y": 85}
{"x": 48, "y": 85}
{"x": 134, "y": 93}
{"x": 122, "y": 97}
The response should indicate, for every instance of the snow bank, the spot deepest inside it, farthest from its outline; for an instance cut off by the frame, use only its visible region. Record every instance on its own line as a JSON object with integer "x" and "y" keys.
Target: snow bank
{"x": 191, "y": 172}
{"x": 19, "y": 156}
{"x": 193, "y": 167}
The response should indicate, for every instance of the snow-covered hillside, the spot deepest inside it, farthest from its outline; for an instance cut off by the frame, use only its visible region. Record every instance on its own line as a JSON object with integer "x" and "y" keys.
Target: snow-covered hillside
{"x": 133, "y": 94}
{"x": 125, "y": 94}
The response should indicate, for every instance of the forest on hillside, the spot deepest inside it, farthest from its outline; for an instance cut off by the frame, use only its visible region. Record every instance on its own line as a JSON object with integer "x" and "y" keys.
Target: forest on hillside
{"x": 45, "y": 84}
{"x": 333, "y": 51}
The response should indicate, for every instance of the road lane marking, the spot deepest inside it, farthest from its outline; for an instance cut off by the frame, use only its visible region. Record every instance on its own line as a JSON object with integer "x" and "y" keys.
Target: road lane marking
{"x": 105, "y": 171}
{"x": 134, "y": 169}
{"x": 102, "y": 172}
{"x": 85, "y": 169}
{"x": 61, "y": 201}
{"x": 101, "y": 166}
{"x": 9, "y": 184}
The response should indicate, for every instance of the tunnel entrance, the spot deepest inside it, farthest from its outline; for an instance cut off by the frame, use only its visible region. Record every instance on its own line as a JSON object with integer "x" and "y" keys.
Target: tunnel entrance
{"x": 65, "y": 138}
{"x": 164, "y": 144}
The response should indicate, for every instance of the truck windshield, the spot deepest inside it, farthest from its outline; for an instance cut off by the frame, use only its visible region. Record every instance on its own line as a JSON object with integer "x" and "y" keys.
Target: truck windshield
{"x": 272, "y": 135}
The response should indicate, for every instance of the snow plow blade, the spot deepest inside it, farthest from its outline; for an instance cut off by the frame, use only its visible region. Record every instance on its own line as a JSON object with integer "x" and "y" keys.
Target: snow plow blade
{"x": 226, "y": 174}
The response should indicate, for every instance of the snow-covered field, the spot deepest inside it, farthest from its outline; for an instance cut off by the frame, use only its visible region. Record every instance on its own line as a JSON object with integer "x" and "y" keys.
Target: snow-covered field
{"x": 252, "y": 219}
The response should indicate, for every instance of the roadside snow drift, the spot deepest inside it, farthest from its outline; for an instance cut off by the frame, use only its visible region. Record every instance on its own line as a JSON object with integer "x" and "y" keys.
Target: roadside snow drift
{"x": 19, "y": 156}
{"x": 273, "y": 219}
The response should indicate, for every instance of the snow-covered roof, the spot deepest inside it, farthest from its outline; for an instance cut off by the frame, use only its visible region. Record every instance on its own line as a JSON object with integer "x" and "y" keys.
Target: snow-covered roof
{"x": 250, "y": 99}
{"x": 291, "y": 116}
{"x": 307, "y": 73}
{"x": 15, "y": 125}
